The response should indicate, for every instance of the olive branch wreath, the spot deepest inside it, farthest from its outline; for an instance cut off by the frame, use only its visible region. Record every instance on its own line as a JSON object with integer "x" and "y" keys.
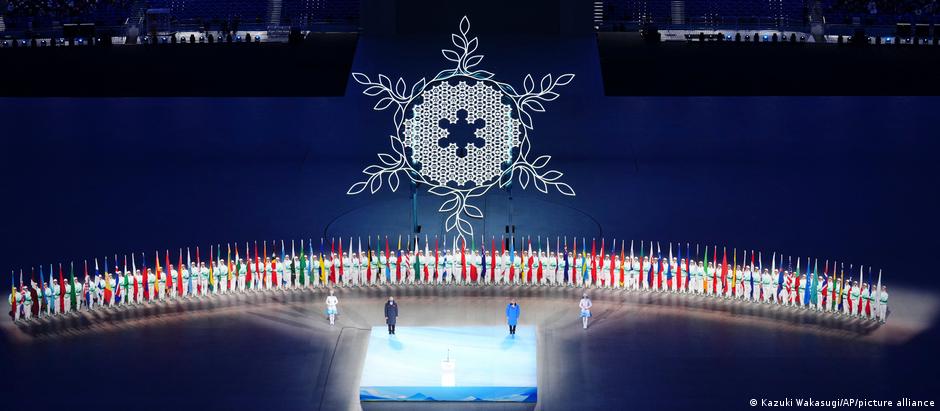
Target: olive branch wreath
{"x": 400, "y": 96}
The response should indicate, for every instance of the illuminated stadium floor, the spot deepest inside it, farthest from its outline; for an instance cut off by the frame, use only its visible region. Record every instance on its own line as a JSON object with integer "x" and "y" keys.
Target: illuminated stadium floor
{"x": 277, "y": 350}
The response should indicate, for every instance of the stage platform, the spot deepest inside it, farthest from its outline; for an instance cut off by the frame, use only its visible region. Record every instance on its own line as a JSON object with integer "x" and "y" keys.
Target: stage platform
{"x": 470, "y": 364}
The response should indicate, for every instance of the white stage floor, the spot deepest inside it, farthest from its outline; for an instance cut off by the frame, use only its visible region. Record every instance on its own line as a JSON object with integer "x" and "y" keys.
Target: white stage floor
{"x": 450, "y": 364}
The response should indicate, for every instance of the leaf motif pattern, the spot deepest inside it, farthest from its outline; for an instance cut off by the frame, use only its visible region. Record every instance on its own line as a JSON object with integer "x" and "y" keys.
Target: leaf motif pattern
{"x": 519, "y": 167}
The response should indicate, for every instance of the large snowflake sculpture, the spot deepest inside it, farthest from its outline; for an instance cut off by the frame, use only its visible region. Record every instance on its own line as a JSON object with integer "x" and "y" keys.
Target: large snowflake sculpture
{"x": 500, "y": 115}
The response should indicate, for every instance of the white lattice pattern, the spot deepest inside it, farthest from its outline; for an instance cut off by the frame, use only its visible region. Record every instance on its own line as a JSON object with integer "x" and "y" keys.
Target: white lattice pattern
{"x": 423, "y": 133}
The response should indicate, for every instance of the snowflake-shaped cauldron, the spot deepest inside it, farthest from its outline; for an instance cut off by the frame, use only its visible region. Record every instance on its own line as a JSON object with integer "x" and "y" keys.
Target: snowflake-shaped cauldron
{"x": 463, "y": 96}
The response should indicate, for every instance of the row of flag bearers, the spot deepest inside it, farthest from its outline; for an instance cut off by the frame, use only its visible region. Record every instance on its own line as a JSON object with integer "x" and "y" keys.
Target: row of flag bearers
{"x": 244, "y": 267}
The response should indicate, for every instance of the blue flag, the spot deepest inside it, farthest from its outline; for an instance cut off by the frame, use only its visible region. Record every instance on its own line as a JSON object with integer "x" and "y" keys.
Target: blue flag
{"x": 779, "y": 278}
{"x": 143, "y": 260}
{"x": 807, "y": 297}
{"x": 669, "y": 270}
{"x": 752, "y": 277}
{"x": 512, "y": 249}
{"x": 42, "y": 287}
{"x": 565, "y": 258}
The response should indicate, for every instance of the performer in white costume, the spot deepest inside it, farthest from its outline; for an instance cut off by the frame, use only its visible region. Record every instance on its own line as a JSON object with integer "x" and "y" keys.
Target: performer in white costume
{"x": 585, "y": 306}
{"x": 331, "y": 311}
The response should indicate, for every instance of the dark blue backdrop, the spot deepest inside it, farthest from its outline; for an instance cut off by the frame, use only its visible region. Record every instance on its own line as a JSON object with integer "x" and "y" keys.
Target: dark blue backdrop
{"x": 844, "y": 178}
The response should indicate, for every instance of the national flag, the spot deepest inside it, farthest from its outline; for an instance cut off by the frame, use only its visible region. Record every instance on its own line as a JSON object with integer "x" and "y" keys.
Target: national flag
{"x": 623, "y": 262}
{"x": 715, "y": 271}
{"x": 398, "y": 262}
{"x": 734, "y": 273}
{"x": 878, "y": 297}
{"x": 659, "y": 267}
{"x": 669, "y": 269}
{"x": 211, "y": 271}
{"x": 814, "y": 294}
{"x": 650, "y": 275}
{"x": 678, "y": 265}
{"x": 42, "y": 287}
{"x": 303, "y": 262}
{"x": 868, "y": 298}
{"x": 463, "y": 259}
{"x": 492, "y": 259}
{"x": 574, "y": 260}
{"x": 13, "y": 305}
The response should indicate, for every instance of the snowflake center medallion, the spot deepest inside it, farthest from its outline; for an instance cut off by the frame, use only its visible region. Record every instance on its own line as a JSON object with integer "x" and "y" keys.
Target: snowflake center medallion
{"x": 434, "y": 120}
{"x": 454, "y": 162}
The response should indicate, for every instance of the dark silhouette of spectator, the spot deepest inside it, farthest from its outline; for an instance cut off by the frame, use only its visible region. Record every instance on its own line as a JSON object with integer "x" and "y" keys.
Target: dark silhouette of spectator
{"x": 756, "y": 39}
{"x": 211, "y": 38}
{"x": 192, "y": 39}
{"x": 737, "y": 37}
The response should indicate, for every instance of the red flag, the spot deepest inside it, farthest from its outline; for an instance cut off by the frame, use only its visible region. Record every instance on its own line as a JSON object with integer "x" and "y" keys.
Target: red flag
{"x": 169, "y": 277}
{"x": 463, "y": 260}
{"x": 688, "y": 257}
{"x": 797, "y": 288}
{"x": 198, "y": 270}
{"x": 436, "y": 274}
{"x": 179, "y": 275}
{"x": 724, "y": 270}
{"x": 398, "y": 263}
{"x": 61, "y": 290}
{"x": 593, "y": 264}
{"x": 492, "y": 259}
{"x": 714, "y": 272}
{"x": 145, "y": 284}
{"x": 274, "y": 283}
{"x": 659, "y": 273}
{"x": 369, "y": 263}
{"x": 612, "y": 270}
{"x": 248, "y": 266}
{"x": 539, "y": 271}
{"x": 679, "y": 267}
{"x": 333, "y": 255}
{"x": 257, "y": 263}
{"x": 529, "y": 261}
{"x": 473, "y": 272}
{"x": 341, "y": 258}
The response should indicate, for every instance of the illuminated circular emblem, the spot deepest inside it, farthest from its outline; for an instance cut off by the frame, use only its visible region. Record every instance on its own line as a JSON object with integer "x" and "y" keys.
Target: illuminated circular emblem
{"x": 462, "y": 133}
{"x": 441, "y": 159}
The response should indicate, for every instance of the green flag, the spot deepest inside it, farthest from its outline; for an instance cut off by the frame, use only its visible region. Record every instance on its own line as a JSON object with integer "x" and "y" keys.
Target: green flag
{"x": 303, "y": 263}
{"x": 814, "y": 298}
{"x": 72, "y": 296}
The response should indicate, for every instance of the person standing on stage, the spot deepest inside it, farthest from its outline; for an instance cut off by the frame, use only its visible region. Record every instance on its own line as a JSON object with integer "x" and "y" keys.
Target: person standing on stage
{"x": 391, "y": 314}
{"x": 331, "y": 302}
{"x": 512, "y": 315}
{"x": 585, "y": 306}
{"x": 883, "y": 304}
